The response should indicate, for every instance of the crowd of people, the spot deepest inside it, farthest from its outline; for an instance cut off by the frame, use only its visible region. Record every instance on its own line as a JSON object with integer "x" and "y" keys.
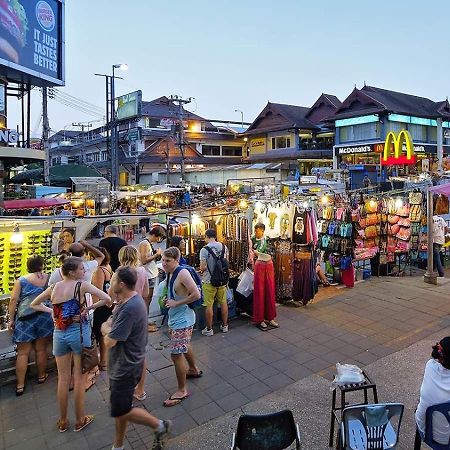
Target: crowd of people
{"x": 101, "y": 295}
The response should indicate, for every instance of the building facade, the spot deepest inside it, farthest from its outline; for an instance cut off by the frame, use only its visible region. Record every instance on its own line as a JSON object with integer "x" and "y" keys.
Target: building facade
{"x": 364, "y": 120}
{"x": 150, "y": 143}
{"x": 298, "y": 136}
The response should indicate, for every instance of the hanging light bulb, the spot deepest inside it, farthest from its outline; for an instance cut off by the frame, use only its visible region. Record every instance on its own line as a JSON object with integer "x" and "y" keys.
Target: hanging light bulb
{"x": 373, "y": 203}
{"x": 16, "y": 236}
{"x": 324, "y": 200}
{"x": 398, "y": 202}
{"x": 305, "y": 204}
{"x": 243, "y": 204}
{"x": 259, "y": 205}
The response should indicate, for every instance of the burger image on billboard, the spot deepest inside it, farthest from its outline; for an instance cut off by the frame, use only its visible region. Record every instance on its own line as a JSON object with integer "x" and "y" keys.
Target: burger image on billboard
{"x": 13, "y": 29}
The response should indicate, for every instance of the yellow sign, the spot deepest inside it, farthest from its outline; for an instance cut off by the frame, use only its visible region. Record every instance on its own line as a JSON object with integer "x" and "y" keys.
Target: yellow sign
{"x": 397, "y": 142}
{"x": 258, "y": 145}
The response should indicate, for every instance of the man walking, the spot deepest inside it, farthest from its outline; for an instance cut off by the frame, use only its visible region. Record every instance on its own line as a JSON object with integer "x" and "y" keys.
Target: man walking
{"x": 113, "y": 243}
{"x": 125, "y": 335}
{"x": 209, "y": 256}
{"x": 181, "y": 290}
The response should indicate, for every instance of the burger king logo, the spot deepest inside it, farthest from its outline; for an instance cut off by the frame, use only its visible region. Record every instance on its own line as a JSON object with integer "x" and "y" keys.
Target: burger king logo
{"x": 45, "y": 16}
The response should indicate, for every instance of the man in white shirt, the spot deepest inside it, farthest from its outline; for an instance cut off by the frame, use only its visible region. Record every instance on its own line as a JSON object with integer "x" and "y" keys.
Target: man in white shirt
{"x": 439, "y": 230}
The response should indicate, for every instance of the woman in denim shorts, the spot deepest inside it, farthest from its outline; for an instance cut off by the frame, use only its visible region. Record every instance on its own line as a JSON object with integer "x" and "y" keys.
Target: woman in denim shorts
{"x": 70, "y": 317}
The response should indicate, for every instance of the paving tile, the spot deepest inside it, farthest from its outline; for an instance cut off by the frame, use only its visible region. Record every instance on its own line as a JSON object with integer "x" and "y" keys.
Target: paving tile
{"x": 250, "y": 363}
{"x": 206, "y": 413}
{"x": 196, "y": 400}
{"x": 241, "y": 381}
{"x": 278, "y": 381}
{"x": 220, "y": 390}
{"x": 264, "y": 372}
{"x": 256, "y": 390}
{"x": 232, "y": 401}
{"x": 298, "y": 372}
{"x": 316, "y": 364}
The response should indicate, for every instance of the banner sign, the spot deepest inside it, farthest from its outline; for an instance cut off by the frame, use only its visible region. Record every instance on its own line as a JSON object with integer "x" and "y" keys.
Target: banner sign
{"x": 395, "y": 145}
{"x": 31, "y": 41}
{"x": 129, "y": 105}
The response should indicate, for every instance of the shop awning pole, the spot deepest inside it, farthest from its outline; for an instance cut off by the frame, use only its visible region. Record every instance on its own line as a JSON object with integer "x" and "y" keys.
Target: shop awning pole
{"x": 430, "y": 276}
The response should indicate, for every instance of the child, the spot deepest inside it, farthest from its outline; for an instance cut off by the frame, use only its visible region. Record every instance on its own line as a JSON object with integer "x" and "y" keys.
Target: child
{"x": 347, "y": 269}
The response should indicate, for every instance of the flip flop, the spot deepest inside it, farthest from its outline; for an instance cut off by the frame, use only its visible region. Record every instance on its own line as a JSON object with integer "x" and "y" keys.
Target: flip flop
{"x": 262, "y": 328}
{"x": 62, "y": 425}
{"x": 43, "y": 379}
{"x": 176, "y": 400}
{"x": 140, "y": 397}
{"x": 86, "y": 422}
{"x": 199, "y": 374}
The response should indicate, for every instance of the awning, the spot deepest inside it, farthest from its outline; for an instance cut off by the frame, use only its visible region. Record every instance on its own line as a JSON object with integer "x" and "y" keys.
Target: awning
{"x": 153, "y": 190}
{"x": 31, "y": 203}
{"x": 443, "y": 189}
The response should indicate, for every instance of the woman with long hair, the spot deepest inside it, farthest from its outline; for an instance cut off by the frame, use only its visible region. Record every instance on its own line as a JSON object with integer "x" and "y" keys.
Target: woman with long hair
{"x": 129, "y": 256}
{"x": 101, "y": 280}
{"x": 70, "y": 311}
{"x": 29, "y": 328}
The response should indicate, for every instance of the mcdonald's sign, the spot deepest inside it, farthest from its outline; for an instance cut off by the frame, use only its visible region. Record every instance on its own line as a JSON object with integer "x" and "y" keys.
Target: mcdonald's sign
{"x": 394, "y": 147}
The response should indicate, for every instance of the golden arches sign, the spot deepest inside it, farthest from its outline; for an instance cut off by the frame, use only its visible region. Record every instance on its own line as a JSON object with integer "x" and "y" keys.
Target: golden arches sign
{"x": 397, "y": 142}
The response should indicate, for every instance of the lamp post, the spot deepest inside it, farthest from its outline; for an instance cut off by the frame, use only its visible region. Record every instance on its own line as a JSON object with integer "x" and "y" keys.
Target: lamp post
{"x": 242, "y": 116}
{"x": 111, "y": 125}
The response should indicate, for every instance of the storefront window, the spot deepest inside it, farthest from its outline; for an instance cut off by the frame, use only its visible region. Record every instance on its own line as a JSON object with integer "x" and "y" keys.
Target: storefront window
{"x": 432, "y": 134}
{"x": 418, "y": 132}
{"x": 228, "y": 150}
{"x": 281, "y": 142}
{"x": 211, "y": 150}
{"x": 359, "y": 132}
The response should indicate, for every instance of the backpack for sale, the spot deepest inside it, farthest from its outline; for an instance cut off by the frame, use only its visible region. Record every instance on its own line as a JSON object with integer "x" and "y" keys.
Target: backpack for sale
{"x": 220, "y": 275}
{"x": 195, "y": 276}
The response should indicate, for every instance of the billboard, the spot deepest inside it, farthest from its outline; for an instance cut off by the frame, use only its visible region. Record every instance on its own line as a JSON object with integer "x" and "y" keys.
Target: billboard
{"x": 32, "y": 41}
{"x": 129, "y": 105}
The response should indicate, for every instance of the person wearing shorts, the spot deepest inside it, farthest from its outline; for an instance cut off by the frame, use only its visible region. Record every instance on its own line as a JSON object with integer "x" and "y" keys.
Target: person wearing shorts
{"x": 212, "y": 294}
{"x": 181, "y": 291}
{"x": 125, "y": 335}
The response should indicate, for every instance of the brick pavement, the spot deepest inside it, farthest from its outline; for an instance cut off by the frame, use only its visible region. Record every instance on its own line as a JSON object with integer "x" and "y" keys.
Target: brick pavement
{"x": 376, "y": 318}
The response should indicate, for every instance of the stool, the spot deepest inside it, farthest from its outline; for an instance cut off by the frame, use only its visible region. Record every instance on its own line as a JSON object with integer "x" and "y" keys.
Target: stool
{"x": 352, "y": 387}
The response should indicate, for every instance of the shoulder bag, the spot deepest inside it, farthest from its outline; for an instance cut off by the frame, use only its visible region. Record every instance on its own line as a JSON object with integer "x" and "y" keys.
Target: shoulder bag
{"x": 89, "y": 355}
{"x": 24, "y": 310}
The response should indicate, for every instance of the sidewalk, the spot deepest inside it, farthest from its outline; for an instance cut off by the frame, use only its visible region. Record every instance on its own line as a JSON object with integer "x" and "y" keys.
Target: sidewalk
{"x": 372, "y": 325}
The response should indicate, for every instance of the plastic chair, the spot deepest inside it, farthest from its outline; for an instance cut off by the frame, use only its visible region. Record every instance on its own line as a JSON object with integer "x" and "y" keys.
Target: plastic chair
{"x": 275, "y": 431}
{"x": 371, "y": 426}
{"x": 444, "y": 409}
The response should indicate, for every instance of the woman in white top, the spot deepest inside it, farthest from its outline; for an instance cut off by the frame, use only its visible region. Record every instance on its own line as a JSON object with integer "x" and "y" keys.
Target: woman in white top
{"x": 435, "y": 389}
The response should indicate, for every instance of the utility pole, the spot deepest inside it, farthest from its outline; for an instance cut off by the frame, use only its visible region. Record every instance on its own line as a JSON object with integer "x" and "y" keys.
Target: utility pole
{"x": 179, "y": 101}
{"x": 45, "y": 133}
{"x": 82, "y": 125}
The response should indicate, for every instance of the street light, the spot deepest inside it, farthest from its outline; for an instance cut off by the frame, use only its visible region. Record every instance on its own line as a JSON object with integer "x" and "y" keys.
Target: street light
{"x": 242, "y": 116}
{"x": 111, "y": 126}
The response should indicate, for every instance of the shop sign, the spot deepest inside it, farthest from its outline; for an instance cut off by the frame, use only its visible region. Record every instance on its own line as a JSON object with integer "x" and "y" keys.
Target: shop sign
{"x": 308, "y": 179}
{"x": 9, "y": 136}
{"x": 129, "y": 105}
{"x": 397, "y": 144}
{"x": 257, "y": 145}
{"x": 133, "y": 135}
{"x": 167, "y": 123}
{"x": 353, "y": 149}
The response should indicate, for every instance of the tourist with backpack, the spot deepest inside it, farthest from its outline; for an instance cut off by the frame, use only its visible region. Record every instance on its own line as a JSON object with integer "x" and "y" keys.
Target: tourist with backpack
{"x": 215, "y": 276}
{"x": 182, "y": 292}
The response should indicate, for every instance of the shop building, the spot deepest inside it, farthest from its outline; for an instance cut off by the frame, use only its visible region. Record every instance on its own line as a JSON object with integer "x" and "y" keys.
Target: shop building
{"x": 366, "y": 117}
{"x": 298, "y": 136}
{"x": 149, "y": 143}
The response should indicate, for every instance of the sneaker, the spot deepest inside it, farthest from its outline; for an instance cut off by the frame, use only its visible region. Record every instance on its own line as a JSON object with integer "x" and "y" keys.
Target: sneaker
{"x": 224, "y": 328}
{"x": 207, "y": 332}
{"x": 160, "y": 436}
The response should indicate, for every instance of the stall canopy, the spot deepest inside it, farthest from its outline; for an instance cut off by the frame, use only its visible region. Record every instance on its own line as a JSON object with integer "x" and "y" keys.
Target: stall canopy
{"x": 59, "y": 175}
{"x": 443, "y": 189}
{"x": 153, "y": 190}
{"x": 33, "y": 203}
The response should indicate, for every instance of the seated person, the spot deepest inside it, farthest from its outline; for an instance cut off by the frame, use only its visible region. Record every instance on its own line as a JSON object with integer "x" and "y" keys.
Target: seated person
{"x": 435, "y": 389}
{"x": 322, "y": 278}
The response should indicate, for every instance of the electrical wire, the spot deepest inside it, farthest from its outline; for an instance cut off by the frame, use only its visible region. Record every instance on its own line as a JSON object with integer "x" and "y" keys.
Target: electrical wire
{"x": 73, "y": 99}
{"x": 78, "y": 107}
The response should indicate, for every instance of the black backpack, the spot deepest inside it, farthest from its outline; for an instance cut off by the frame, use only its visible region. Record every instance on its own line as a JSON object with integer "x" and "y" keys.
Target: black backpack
{"x": 220, "y": 275}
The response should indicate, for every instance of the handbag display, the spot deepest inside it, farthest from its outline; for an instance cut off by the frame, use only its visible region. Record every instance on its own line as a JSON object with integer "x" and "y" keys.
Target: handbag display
{"x": 89, "y": 355}
{"x": 415, "y": 198}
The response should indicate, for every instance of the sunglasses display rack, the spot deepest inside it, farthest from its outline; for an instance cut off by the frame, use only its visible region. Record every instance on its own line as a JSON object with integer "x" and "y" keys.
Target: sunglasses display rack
{"x": 4, "y": 299}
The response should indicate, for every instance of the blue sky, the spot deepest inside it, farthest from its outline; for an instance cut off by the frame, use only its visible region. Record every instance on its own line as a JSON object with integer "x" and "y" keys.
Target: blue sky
{"x": 240, "y": 54}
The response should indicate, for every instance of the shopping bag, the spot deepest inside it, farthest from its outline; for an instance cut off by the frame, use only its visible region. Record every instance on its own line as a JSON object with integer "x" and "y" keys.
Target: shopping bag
{"x": 245, "y": 285}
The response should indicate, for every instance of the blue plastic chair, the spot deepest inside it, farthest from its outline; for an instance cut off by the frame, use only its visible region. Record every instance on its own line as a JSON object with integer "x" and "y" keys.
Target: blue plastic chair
{"x": 444, "y": 409}
{"x": 275, "y": 431}
{"x": 374, "y": 427}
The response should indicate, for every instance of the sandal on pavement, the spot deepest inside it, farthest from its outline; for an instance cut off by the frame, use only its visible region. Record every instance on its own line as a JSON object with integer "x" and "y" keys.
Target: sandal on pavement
{"x": 86, "y": 422}
{"x": 140, "y": 397}
{"x": 92, "y": 382}
{"x": 199, "y": 374}
{"x": 43, "y": 379}
{"x": 20, "y": 391}
{"x": 173, "y": 401}
{"x": 62, "y": 425}
{"x": 273, "y": 324}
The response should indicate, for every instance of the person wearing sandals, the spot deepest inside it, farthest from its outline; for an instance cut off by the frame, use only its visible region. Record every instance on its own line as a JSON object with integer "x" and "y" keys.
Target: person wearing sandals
{"x": 68, "y": 311}
{"x": 129, "y": 256}
{"x": 101, "y": 280}
{"x": 125, "y": 335}
{"x": 29, "y": 328}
